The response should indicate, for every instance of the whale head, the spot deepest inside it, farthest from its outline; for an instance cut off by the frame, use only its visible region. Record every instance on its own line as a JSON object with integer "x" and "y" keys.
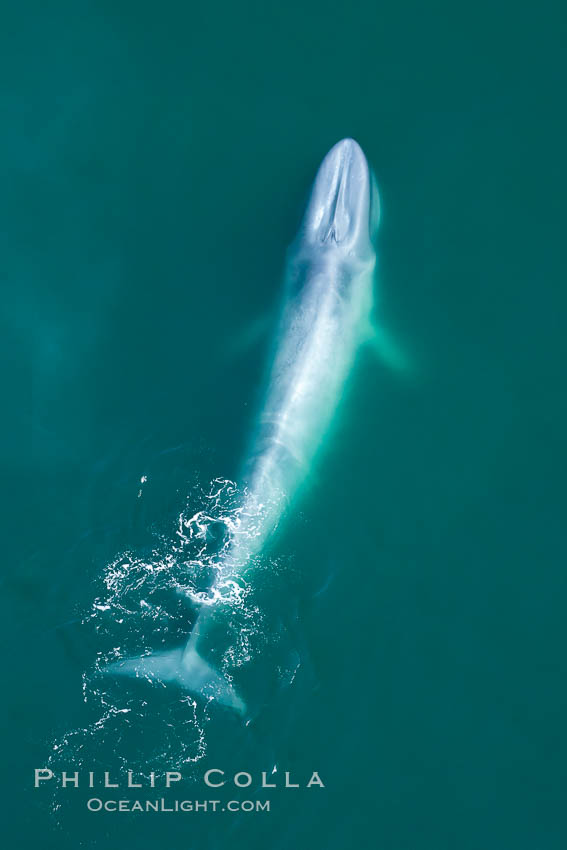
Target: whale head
{"x": 343, "y": 209}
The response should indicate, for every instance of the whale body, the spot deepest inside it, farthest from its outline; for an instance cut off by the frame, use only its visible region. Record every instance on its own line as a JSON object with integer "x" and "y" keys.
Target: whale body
{"x": 325, "y": 317}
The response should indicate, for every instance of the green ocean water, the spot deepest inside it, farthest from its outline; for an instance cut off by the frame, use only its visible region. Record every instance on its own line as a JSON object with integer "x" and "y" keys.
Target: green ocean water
{"x": 154, "y": 164}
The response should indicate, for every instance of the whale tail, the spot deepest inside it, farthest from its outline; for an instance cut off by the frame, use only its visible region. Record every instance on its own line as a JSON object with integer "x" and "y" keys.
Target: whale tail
{"x": 185, "y": 668}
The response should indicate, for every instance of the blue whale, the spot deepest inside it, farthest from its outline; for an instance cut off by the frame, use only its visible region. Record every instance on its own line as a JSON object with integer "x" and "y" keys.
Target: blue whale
{"x": 325, "y": 317}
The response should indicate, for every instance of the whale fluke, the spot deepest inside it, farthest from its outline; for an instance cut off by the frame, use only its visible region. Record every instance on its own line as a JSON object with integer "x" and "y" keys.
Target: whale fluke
{"x": 185, "y": 668}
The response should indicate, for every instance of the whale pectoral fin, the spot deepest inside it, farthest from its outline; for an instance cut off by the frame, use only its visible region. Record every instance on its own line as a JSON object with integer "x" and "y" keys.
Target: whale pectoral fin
{"x": 389, "y": 350}
{"x": 250, "y": 335}
{"x": 185, "y": 668}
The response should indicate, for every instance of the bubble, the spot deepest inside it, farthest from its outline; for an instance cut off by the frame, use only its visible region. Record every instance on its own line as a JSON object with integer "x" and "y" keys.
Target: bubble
{"x": 149, "y": 600}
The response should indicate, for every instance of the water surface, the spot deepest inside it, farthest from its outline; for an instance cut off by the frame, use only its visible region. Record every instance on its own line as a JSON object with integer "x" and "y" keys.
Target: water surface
{"x": 155, "y": 161}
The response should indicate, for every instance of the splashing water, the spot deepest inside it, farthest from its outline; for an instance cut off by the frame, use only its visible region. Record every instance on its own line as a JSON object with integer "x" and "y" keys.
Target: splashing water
{"x": 148, "y": 601}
